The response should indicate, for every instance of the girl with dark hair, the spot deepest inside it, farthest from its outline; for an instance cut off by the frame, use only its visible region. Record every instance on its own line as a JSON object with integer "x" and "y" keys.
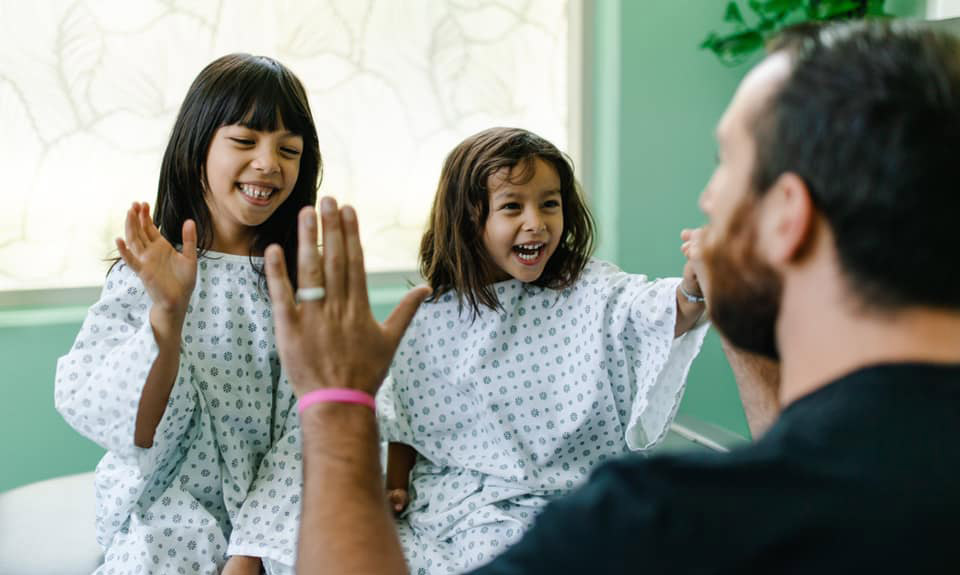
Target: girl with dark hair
{"x": 174, "y": 371}
{"x": 530, "y": 364}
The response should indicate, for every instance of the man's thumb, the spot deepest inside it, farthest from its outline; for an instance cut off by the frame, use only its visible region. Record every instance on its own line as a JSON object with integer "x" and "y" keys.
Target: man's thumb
{"x": 402, "y": 315}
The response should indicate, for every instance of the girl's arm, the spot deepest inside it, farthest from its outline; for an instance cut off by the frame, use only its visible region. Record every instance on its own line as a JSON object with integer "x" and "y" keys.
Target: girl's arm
{"x": 163, "y": 374}
{"x": 400, "y": 460}
{"x": 169, "y": 277}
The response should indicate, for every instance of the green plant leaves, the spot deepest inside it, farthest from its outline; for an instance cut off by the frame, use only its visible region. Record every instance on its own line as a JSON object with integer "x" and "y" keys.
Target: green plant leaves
{"x": 741, "y": 39}
{"x": 733, "y": 14}
{"x": 835, "y": 10}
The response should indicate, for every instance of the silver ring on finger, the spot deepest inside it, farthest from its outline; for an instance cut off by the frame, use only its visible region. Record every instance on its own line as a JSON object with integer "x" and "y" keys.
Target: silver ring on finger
{"x": 311, "y": 294}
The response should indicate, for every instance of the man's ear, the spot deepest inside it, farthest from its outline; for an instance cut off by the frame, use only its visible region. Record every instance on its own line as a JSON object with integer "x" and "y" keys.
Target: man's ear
{"x": 787, "y": 218}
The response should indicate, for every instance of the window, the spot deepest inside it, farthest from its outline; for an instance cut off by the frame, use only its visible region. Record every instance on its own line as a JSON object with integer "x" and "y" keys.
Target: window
{"x": 89, "y": 91}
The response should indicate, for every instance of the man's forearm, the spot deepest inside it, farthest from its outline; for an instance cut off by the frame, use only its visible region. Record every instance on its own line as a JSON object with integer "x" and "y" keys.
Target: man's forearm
{"x": 758, "y": 381}
{"x": 346, "y": 526}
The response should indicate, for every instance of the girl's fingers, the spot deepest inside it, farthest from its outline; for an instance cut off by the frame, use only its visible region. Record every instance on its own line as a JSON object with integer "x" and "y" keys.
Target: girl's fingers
{"x": 130, "y": 225}
{"x": 309, "y": 260}
{"x": 334, "y": 258}
{"x": 127, "y": 257}
{"x": 189, "y": 235}
{"x": 140, "y": 228}
{"x": 146, "y": 222}
{"x": 356, "y": 275}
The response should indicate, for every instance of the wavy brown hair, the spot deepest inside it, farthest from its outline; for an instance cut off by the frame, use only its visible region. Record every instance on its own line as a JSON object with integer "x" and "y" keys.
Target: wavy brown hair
{"x": 452, "y": 255}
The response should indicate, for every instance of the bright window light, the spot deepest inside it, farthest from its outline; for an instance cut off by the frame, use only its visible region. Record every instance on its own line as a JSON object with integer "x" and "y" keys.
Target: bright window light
{"x": 89, "y": 91}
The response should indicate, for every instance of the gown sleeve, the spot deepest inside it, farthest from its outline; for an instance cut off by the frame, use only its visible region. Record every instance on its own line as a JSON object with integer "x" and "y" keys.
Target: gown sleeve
{"x": 640, "y": 316}
{"x": 100, "y": 380}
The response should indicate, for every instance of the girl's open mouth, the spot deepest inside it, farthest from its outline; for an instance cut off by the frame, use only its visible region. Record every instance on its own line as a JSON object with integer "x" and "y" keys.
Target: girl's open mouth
{"x": 529, "y": 254}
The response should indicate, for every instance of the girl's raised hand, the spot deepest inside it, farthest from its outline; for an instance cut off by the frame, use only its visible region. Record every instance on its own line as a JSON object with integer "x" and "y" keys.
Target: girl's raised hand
{"x": 167, "y": 275}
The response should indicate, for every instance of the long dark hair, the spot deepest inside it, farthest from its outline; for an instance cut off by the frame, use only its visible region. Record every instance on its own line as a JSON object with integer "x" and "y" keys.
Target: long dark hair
{"x": 261, "y": 94}
{"x": 452, "y": 254}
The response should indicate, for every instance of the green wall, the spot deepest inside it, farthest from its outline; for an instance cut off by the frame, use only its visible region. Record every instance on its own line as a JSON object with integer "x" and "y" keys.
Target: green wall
{"x": 660, "y": 152}
{"x": 671, "y": 96}
{"x": 655, "y": 99}
{"x": 36, "y": 443}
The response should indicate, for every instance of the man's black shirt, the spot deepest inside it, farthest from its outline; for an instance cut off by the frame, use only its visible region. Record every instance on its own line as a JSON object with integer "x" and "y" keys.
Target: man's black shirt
{"x": 860, "y": 476}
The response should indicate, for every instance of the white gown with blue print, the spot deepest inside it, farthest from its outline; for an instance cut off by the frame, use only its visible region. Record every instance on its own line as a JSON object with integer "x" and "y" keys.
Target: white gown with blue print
{"x": 518, "y": 406}
{"x": 223, "y": 476}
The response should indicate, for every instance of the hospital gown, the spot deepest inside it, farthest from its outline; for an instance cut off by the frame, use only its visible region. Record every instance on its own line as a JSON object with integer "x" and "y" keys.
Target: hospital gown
{"x": 515, "y": 407}
{"x": 223, "y": 476}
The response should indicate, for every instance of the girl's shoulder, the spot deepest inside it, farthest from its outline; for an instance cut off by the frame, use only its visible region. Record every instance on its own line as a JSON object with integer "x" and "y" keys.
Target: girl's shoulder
{"x": 121, "y": 279}
{"x": 604, "y": 279}
{"x": 445, "y": 308}
{"x": 597, "y": 272}
{"x": 599, "y": 268}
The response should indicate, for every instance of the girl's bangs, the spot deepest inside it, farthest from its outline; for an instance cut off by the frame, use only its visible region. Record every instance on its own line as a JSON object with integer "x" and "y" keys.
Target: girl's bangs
{"x": 264, "y": 105}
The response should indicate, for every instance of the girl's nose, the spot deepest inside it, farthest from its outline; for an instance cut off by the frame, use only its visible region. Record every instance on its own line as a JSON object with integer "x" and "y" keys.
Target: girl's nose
{"x": 266, "y": 161}
{"x": 535, "y": 223}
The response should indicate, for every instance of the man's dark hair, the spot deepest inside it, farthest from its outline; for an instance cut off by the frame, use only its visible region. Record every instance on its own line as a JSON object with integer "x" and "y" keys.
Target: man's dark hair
{"x": 869, "y": 118}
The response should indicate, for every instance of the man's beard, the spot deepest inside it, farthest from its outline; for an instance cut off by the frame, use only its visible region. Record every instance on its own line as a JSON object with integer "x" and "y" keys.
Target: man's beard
{"x": 744, "y": 292}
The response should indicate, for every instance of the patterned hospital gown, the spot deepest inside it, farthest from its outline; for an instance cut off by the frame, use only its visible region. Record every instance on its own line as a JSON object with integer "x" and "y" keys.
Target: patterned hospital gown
{"x": 223, "y": 476}
{"x": 516, "y": 407}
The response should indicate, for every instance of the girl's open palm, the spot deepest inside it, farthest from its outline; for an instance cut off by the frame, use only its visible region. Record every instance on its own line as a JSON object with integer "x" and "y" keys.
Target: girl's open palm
{"x": 167, "y": 275}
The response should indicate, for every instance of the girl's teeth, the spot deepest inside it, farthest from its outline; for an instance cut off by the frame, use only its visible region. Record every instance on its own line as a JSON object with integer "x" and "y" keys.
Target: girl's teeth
{"x": 256, "y": 192}
{"x": 528, "y": 253}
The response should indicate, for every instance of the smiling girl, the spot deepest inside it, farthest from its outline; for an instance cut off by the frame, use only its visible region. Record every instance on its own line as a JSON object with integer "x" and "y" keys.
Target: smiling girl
{"x": 531, "y": 363}
{"x": 175, "y": 370}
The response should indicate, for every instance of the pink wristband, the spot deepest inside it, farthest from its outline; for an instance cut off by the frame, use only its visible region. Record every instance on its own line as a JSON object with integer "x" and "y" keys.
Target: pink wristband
{"x": 336, "y": 395}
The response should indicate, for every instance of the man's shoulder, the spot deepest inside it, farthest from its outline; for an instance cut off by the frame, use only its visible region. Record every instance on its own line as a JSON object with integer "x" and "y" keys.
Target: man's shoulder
{"x": 682, "y": 475}
{"x": 648, "y": 509}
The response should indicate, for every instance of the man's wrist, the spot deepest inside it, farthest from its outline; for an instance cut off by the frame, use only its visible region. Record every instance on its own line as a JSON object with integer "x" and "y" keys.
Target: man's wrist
{"x": 342, "y": 436}
{"x": 324, "y": 414}
{"x": 336, "y": 395}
